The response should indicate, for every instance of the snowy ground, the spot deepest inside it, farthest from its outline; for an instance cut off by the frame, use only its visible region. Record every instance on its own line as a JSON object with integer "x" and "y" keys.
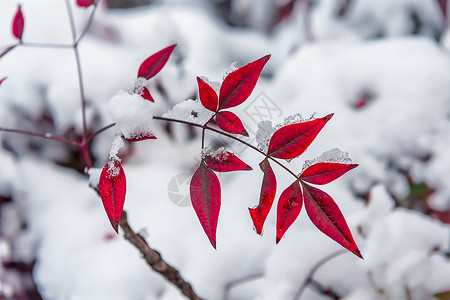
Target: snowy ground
{"x": 389, "y": 90}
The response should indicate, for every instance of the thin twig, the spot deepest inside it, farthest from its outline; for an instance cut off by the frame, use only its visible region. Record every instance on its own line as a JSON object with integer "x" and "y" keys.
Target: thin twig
{"x": 46, "y": 45}
{"x": 99, "y": 131}
{"x": 88, "y": 24}
{"x": 239, "y": 281}
{"x": 155, "y": 261}
{"x": 320, "y": 263}
{"x": 47, "y": 136}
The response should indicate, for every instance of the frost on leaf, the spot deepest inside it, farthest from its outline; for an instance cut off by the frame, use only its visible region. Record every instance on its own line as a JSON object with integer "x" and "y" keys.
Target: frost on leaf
{"x": 112, "y": 189}
{"x": 18, "y": 24}
{"x": 155, "y": 62}
{"x": 141, "y": 89}
{"x": 190, "y": 111}
{"x": 208, "y": 96}
{"x": 239, "y": 84}
{"x": 334, "y": 155}
{"x": 288, "y": 209}
{"x": 221, "y": 160}
{"x": 267, "y": 195}
{"x": 290, "y": 141}
{"x": 229, "y": 122}
{"x": 132, "y": 115}
{"x": 85, "y": 3}
{"x": 205, "y": 198}
{"x": 263, "y": 135}
{"x": 327, "y": 217}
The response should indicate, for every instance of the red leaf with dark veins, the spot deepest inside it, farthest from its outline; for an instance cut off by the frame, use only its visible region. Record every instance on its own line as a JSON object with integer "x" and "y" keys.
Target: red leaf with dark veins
{"x": 229, "y": 122}
{"x": 146, "y": 94}
{"x": 207, "y": 95}
{"x": 18, "y": 23}
{"x": 268, "y": 190}
{"x": 227, "y": 163}
{"x": 239, "y": 84}
{"x": 323, "y": 173}
{"x": 288, "y": 209}
{"x": 112, "y": 188}
{"x": 85, "y": 3}
{"x": 3, "y": 79}
{"x": 328, "y": 218}
{"x": 155, "y": 62}
{"x": 292, "y": 140}
{"x": 205, "y": 198}
{"x": 9, "y": 48}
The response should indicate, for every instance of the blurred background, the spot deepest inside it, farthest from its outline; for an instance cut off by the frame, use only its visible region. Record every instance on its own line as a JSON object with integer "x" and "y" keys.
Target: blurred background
{"x": 382, "y": 67}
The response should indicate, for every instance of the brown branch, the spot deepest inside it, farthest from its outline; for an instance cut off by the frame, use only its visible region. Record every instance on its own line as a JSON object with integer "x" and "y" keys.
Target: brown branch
{"x": 155, "y": 261}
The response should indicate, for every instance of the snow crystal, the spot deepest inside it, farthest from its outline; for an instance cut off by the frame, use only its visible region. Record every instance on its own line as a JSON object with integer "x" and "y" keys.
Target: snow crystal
{"x": 214, "y": 84}
{"x": 263, "y": 135}
{"x": 139, "y": 84}
{"x": 233, "y": 67}
{"x": 334, "y": 155}
{"x": 219, "y": 154}
{"x": 190, "y": 111}
{"x": 132, "y": 115}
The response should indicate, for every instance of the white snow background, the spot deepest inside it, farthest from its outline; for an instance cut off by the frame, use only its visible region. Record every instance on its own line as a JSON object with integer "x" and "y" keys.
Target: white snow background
{"x": 402, "y": 134}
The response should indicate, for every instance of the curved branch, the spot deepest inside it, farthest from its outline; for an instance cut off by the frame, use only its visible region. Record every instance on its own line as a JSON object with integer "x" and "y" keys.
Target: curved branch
{"x": 47, "y": 136}
{"x": 155, "y": 261}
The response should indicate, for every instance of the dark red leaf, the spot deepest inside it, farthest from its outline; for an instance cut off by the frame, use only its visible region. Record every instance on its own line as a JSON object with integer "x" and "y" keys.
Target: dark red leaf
{"x": 207, "y": 95}
{"x": 3, "y": 79}
{"x": 85, "y": 3}
{"x": 288, "y": 209}
{"x": 146, "y": 94}
{"x": 327, "y": 217}
{"x": 112, "y": 188}
{"x": 205, "y": 197}
{"x": 292, "y": 140}
{"x": 239, "y": 84}
{"x": 228, "y": 162}
{"x": 18, "y": 23}
{"x": 268, "y": 190}
{"x": 147, "y": 136}
{"x": 9, "y": 48}
{"x": 155, "y": 62}
{"x": 229, "y": 122}
{"x": 323, "y": 173}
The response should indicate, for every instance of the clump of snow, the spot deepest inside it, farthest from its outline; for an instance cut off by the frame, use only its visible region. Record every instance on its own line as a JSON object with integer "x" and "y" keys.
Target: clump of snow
{"x": 214, "y": 84}
{"x": 132, "y": 115}
{"x": 94, "y": 176}
{"x": 233, "y": 67}
{"x": 190, "y": 111}
{"x": 139, "y": 84}
{"x": 263, "y": 135}
{"x": 113, "y": 170}
{"x": 334, "y": 155}
{"x": 220, "y": 154}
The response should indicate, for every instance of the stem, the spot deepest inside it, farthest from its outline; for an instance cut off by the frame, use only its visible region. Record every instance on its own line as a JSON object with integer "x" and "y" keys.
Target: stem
{"x": 204, "y": 127}
{"x": 89, "y": 139}
{"x": 88, "y": 25}
{"x": 240, "y": 281}
{"x": 46, "y": 45}
{"x": 47, "y": 136}
{"x": 155, "y": 261}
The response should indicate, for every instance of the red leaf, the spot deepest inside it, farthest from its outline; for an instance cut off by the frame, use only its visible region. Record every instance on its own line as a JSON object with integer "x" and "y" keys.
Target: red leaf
{"x": 9, "y": 48}
{"x": 205, "y": 197}
{"x": 227, "y": 163}
{"x": 18, "y": 23}
{"x": 288, "y": 209}
{"x": 147, "y": 136}
{"x": 85, "y": 3}
{"x": 155, "y": 62}
{"x": 3, "y": 79}
{"x": 292, "y": 140}
{"x": 146, "y": 94}
{"x": 207, "y": 95}
{"x": 229, "y": 122}
{"x": 268, "y": 190}
{"x": 239, "y": 84}
{"x": 113, "y": 187}
{"x": 327, "y": 217}
{"x": 443, "y": 6}
{"x": 323, "y": 173}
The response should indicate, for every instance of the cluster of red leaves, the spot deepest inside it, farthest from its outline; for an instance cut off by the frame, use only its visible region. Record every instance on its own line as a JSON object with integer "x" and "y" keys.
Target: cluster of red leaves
{"x": 287, "y": 142}
{"x": 112, "y": 184}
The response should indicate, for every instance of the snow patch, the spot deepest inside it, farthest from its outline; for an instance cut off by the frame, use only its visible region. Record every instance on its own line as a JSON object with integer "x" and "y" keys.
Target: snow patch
{"x": 220, "y": 154}
{"x": 334, "y": 155}
{"x": 190, "y": 111}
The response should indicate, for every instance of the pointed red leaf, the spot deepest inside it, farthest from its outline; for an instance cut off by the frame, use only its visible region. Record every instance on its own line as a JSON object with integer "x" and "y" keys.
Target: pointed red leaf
{"x": 9, "y": 48}
{"x": 146, "y": 94}
{"x": 85, "y": 3}
{"x": 205, "y": 198}
{"x": 229, "y": 122}
{"x": 3, "y": 79}
{"x": 18, "y": 24}
{"x": 268, "y": 190}
{"x": 323, "y": 173}
{"x": 239, "y": 84}
{"x": 288, "y": 209}
{"x": 155, "y": 62}
{"x": 328, "y": 218}
{"x": 292, "y": 140}
{"x": 112, "y": 188}
{"x": 226, "y": 163}
{"x": 147, "y": 136}
{"x": 207, "y": 95}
